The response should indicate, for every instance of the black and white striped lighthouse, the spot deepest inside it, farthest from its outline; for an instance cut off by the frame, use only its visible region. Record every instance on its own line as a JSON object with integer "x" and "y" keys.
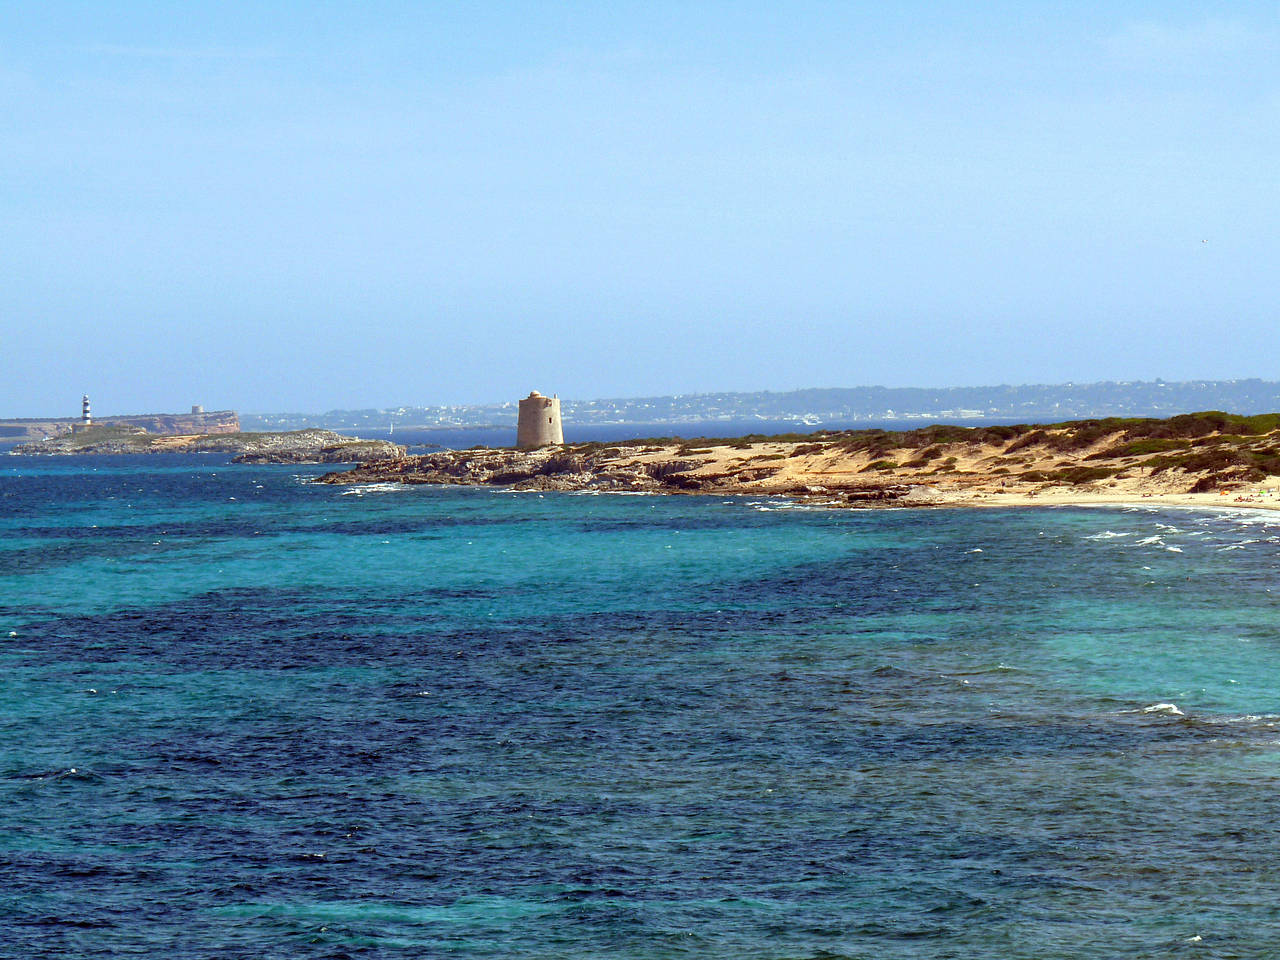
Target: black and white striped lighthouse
{"x": 85, "y": 417}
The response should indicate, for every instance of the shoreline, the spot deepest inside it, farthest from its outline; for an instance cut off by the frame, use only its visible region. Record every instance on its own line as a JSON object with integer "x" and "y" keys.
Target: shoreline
{"x": 1196, "y": 502}
{"x": 1197, "y": 460}
{"x": 1187, "y": 501}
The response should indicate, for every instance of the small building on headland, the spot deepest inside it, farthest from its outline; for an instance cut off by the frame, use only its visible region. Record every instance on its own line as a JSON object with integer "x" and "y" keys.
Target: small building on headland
{"x": 539, "y": 424}
{"x": 198, "y": 421}
{"x": 86, "y": 418}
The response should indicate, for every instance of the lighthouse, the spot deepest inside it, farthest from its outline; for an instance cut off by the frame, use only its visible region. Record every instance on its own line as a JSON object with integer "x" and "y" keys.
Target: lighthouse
{"x": 85, "y": 418}
{"x": 539, "y": 424}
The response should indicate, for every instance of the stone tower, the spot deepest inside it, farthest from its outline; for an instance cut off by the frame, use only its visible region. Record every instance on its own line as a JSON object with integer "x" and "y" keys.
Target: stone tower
{"x": 539, "y": 422}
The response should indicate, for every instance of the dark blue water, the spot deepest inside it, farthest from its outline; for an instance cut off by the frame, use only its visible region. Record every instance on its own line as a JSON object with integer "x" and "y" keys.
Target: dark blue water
{"x": 246, "y": 716}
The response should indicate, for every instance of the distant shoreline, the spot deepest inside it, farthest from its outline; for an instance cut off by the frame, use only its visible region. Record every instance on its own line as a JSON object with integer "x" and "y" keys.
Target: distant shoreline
{"x": 299, "y": 446}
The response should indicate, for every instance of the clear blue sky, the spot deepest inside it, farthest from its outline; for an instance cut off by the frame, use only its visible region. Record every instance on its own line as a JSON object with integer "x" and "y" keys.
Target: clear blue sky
{"x": 304, "y": 206}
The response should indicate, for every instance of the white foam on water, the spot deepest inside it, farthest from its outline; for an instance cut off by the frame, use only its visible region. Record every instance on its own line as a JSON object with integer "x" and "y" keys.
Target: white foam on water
{"x": 1155, "y": 539}
{"x": 1174, "y": 549}
{"x": 1109, "y": 535}
{"x": 1245, "y": 518}
{"x": 360, "y": 489}
{"x": 1167, "y": 709}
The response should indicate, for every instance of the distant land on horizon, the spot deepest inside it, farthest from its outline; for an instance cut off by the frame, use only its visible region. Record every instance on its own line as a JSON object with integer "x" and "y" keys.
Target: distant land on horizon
{"x": 841, "y": 405}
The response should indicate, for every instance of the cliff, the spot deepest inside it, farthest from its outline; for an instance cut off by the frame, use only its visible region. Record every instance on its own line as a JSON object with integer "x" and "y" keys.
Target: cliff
{"x": 179, "y": 424}
{"x": 1098, "y": 459}
{"x": 299, "y": 446}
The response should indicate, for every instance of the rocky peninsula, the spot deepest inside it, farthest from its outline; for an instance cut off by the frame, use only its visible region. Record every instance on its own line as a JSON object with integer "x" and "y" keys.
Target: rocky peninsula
{"x": 295, "y": 446}
{"x": 1193, "y": 458}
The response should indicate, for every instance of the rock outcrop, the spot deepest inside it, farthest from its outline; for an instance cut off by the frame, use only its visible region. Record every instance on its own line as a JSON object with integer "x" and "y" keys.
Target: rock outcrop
{"x": 297, "y": 446}
{"x": 608, "y": 470}
{"x": 546, "y": 469}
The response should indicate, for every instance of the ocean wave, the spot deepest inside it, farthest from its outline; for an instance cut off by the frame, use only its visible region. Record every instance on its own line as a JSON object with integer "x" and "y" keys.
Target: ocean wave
{"x": 1252, "y": 719}
{"x": 1163, "y": 708}
{"x": 1264, "y": 724}
{"x": 360, "y": 489}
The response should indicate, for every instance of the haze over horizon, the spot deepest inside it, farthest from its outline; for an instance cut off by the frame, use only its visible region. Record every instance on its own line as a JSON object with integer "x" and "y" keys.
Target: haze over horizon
{"x": 289, "y": 206}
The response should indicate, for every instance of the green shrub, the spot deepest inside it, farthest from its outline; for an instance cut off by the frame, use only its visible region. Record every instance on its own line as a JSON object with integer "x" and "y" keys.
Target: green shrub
{"x": 1078, "y": 475}
{"x": 1027, "y": 440}
{"x": 806, "y": 449}
{"x": 879, "y": 465}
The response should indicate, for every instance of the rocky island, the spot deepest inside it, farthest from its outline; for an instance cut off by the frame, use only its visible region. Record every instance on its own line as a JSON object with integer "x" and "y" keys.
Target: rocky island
{"x": 1192, "y": 458}
{"x": 296, "y": 446}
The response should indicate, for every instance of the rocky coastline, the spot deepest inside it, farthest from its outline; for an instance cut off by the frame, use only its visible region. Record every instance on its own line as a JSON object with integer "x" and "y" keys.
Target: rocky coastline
{"x": 1196, "y": 455}
{"x": 295, "y": 446}
{"x": 570, "y": 470}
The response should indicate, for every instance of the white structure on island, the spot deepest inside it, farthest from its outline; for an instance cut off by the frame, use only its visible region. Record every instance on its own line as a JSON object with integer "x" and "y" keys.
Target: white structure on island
{"x": 86, "y": 418}
{"x": 539, "y": 424}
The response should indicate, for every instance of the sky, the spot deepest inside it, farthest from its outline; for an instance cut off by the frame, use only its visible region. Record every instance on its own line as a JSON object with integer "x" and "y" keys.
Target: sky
{"x": 309, "y": 206}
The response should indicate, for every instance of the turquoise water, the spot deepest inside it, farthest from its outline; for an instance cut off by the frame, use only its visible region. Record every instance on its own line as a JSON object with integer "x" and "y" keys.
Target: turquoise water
{"x": 246, "y": 716}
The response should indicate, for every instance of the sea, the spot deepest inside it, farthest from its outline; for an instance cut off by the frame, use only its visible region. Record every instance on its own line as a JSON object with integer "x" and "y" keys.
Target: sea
{"x": 246, "y": 715}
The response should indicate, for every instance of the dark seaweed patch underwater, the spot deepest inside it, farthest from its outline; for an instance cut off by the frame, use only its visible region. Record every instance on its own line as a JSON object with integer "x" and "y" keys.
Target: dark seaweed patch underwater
{"x": 245, "y": 716}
